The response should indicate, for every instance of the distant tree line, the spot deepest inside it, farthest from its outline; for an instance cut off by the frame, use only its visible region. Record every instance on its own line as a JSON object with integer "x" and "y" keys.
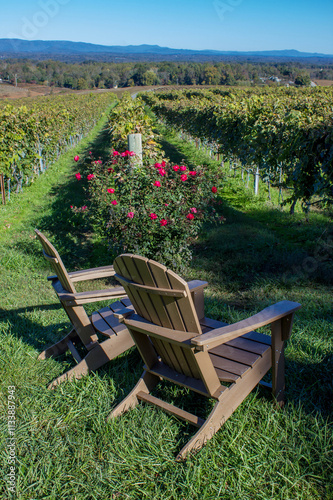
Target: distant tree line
{"x": 92, "y": 74}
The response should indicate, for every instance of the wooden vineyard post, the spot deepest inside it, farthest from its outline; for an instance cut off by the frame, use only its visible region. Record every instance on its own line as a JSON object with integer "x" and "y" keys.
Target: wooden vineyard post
{"x": 135, "y": 145}
{"x": 2, "y": 186}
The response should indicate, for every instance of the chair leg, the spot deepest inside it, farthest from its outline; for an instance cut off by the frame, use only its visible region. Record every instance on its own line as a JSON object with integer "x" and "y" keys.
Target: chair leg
{"x": 146, "y": 383}
{"x": 59, "y": 347}
{"x": 97, "y": 357}
{"x": 213, "y": 423}
{"x": 229, "y": 400}
{"x": 278, "y": 380}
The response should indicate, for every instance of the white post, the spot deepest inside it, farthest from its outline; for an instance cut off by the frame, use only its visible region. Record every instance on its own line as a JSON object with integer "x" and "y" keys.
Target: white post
{"x": 256, "y": 182}
{"x": 135, "y": 145}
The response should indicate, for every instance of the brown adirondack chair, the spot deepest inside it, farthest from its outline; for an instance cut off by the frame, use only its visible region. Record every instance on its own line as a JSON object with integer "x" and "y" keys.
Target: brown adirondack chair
{"x": 178, "y": 343}
{"x": 85, "y": 329}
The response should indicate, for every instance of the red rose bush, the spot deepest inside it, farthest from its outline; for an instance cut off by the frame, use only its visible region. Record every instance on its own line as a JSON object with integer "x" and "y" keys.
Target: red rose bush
{"x": 153, "y": 210}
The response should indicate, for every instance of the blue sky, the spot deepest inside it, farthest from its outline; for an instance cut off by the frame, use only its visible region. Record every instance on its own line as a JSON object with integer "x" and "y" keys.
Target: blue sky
{"x": 305, "y": 25}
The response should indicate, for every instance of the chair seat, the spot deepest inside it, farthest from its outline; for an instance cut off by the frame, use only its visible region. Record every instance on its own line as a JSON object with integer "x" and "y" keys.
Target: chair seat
{"x": 104, "y": 320}
{"x": 233, "y": 359}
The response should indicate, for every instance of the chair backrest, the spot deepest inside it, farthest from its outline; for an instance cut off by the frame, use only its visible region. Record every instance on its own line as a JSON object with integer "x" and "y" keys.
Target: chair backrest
{"x": 51, "y": 254}
{"x": 157, "y": 293}
{"x": 163, "y": 298}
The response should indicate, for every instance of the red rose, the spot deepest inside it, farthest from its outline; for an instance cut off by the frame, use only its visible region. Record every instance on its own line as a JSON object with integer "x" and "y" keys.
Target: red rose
{"x": 76, "y": 158}
{"x": 214, "y": 189}
{"x": 183, "y": 177}
{"x": 176, "y": 168}
{"x": 163, "y": 222}
{"x": 90, "y": 176}
{"x": 78, "y": 176}
{"x": 190, "y": 216}
{"x": 157, "y": 183}
{"x": 114, "y": 202}
{"x": 153, "y": 216}
{"x": 110, "y": 190}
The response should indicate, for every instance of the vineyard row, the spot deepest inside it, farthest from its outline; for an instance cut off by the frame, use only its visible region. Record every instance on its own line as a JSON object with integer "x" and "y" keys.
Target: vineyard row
{"x": 285, "y": 133}
{"x": 33, "y": 136}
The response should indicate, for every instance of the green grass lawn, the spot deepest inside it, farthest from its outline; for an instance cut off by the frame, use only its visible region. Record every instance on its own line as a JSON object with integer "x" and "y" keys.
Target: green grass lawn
{"x": 65, "y": 449}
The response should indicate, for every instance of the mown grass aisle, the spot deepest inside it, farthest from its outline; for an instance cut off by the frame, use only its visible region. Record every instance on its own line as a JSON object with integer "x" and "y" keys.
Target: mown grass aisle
{"x": 64, "y": 447}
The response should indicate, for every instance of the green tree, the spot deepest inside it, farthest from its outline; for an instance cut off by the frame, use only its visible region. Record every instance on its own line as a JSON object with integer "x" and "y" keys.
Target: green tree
{"x": 302, "y": 79}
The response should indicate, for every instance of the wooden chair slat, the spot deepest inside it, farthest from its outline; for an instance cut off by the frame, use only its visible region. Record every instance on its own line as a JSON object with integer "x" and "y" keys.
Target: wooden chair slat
{"x": 173, "y": 410}
{"x": 234, "y": 354}
{"x": 228, "y": 365}
{"x": 248, "y": 345}
{"x": 58, "y": 266}
{"x": 164, "y": 371}
{"x": 120, "y": 266}
{"x": 212, "y": 323}
{"x": 184, "y": 365}
{"x": 106, "y": 323}
{"x": 146, "y": 349}
{"x": 195, "y": 373}
{"x": 126, "y": 301}
{"x": 258, "y": 337}
{"x": 162, "y": 351}
{"x": 168, "y": 303}
{"x": 226, "y": 376}
{"x": 158, "y": 301}
{"x": 119, "y": 305}
{"x": 171, "y": 350}
{"x": 185, "y": 305}
{"x": 101, "y": 325}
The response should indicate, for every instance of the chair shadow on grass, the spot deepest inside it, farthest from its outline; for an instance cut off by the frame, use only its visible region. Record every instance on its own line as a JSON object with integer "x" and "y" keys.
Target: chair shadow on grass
{"x": 38, "y": 336}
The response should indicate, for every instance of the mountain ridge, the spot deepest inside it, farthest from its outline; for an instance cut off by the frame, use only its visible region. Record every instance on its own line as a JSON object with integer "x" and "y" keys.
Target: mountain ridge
{"x": 17, "y": 47}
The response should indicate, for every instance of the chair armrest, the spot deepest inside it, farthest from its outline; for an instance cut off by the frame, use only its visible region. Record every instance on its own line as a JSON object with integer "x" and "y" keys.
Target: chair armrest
{"x": 88, "y": 274}
{"x": 225, "y": 333}
{"x": 122, "y": 314}
{"x": 196, "y": 285}
{"x": 92, "y": 274}
{"x": 76, "y": 299}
